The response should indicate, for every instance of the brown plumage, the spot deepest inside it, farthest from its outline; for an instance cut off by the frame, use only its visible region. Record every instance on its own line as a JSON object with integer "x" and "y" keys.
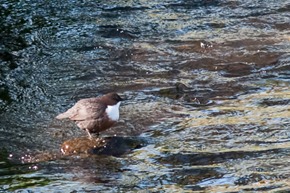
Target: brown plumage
{"x": 94, "y": 114}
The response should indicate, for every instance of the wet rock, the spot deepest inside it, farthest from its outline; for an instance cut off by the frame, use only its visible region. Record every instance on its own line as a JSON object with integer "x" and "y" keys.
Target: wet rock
{"x": 115, "y": 146}
{"x": 175, "y": 92}
{"x": 184, "y": 94}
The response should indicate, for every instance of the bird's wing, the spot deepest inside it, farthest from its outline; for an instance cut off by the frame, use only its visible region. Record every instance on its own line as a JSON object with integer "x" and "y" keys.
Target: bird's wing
{"x": 84, "y": 109}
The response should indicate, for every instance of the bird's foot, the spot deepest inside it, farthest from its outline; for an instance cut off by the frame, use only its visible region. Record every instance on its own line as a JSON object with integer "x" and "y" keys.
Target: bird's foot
{"x": 92, "y": 136}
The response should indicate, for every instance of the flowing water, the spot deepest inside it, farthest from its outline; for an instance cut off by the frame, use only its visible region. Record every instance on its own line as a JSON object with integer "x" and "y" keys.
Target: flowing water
{"x": 207, "y": 88}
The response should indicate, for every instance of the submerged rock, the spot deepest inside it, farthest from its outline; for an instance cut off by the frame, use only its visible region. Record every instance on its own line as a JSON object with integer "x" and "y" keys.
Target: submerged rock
{"x": 115, "y": 146}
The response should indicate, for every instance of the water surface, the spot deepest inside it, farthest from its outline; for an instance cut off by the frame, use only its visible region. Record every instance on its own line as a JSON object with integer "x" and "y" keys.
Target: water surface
{"x": 207, "y": 84}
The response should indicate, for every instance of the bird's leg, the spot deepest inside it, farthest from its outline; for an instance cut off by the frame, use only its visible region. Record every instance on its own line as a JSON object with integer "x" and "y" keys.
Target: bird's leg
{"x": 90, "y": 136}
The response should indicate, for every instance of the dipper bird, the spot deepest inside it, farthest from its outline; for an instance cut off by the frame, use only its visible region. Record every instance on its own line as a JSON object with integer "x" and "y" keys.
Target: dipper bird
{"x": 94, "y": 114}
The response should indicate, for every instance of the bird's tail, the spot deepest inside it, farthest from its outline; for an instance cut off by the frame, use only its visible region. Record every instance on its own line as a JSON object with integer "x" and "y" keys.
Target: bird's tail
{"x": 62, "y": 116}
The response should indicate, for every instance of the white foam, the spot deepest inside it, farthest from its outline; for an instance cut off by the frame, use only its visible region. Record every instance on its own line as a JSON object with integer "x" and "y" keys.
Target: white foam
{"x": 113, "y": 111}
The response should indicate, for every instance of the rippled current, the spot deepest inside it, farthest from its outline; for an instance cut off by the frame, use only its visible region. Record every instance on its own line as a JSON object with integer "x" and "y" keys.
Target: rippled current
{"x": 206, "y": 83}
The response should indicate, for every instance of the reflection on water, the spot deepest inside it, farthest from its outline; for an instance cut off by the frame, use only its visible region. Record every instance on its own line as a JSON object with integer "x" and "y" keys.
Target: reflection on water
{"x": 207, "y": 87}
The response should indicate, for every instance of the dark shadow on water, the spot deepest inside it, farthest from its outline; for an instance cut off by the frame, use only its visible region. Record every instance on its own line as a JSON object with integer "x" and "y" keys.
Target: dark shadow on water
{"x": 214, "y": 158}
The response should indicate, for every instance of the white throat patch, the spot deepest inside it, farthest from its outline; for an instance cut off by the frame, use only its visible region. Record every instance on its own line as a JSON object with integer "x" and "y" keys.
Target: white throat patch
{"x": 113, "y": 111}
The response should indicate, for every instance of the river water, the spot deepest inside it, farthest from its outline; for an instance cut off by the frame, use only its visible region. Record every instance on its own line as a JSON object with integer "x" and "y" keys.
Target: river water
{"x": 206, "y": 83}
